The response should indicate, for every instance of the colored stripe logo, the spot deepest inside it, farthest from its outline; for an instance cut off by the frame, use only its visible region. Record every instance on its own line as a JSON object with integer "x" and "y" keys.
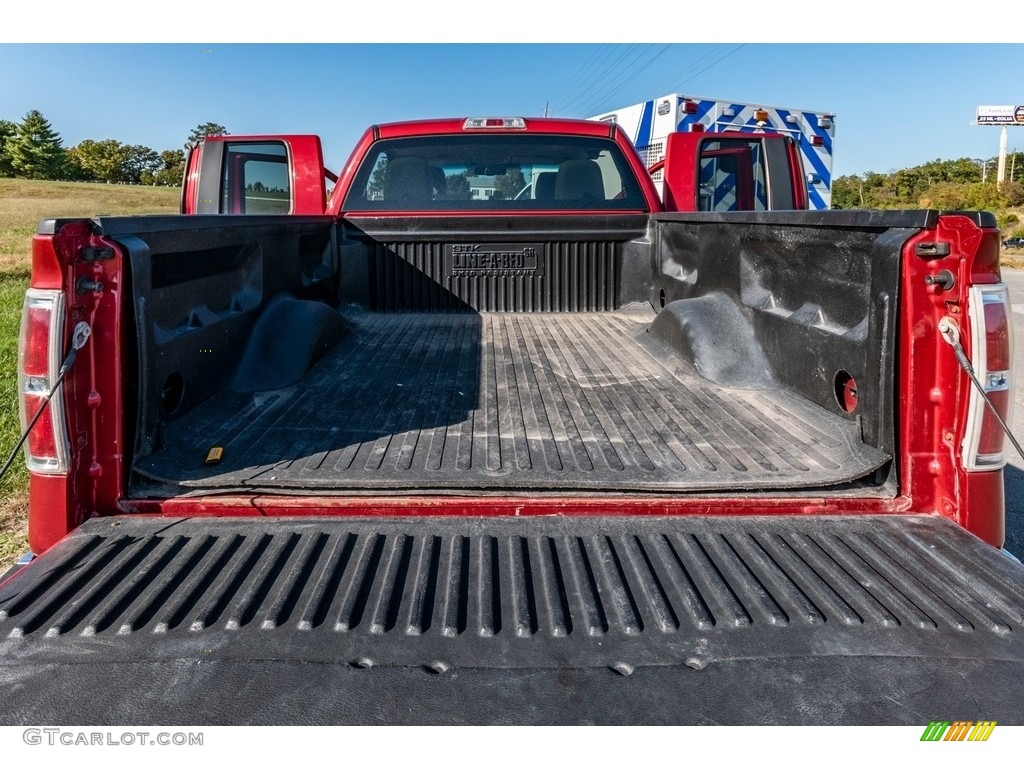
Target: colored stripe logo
{"x": 703, "y": 107}
{"x": 958, "y": 730}
{"x": 643, "y": 132}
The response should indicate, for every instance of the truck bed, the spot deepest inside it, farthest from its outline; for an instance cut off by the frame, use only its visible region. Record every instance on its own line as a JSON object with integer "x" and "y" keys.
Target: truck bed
{"x": 544, "y": 402}
{"x": 734, "y": 620}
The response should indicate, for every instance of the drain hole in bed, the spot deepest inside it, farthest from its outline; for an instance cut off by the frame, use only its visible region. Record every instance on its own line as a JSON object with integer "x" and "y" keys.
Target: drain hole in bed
{"x": 846, "y": 391}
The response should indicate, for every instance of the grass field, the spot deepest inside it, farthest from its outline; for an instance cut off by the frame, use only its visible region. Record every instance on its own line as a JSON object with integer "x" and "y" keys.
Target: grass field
{"x": 1013, "y": 258}
{"x": 22, "y": 205}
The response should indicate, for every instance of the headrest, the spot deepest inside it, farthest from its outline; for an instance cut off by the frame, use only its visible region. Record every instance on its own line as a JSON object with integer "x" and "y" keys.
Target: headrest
{"x": 579, "y": 180}
{"x": 544, "y": 188}
{"x": 408, "y": 180}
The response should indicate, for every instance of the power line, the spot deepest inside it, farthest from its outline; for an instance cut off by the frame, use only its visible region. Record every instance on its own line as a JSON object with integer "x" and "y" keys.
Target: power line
{"x": 716, "y": 61}
{"x": 602, "y": 56}
{"x": 629, "y": 78}
{"x": 695, "y": 68}
{"x": 576, "y": 76}
{"x": 615, "y": 85}
{"x": 676, "y": 78}
{"x": 599, "y": 76}
{"x": 623, "y": 69}
{"x": 596, "y": 76}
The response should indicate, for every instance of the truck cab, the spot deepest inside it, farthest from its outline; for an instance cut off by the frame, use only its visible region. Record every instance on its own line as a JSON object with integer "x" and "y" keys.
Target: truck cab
{"x": 286, "y": 174}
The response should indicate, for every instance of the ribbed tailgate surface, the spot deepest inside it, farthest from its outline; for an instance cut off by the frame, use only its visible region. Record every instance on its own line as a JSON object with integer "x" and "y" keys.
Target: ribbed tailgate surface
{"x": 515, "y": 593}
{"x": 537, "y": 401}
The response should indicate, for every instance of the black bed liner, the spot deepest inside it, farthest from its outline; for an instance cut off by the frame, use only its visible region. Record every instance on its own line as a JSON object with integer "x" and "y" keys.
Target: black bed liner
{"x": 580, "y": 401}
{"x": 813, "y": 620}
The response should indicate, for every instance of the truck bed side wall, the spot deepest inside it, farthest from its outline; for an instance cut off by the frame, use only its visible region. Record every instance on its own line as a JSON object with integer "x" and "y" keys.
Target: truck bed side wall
{"x": 807, "y": 307}
{"x": 199, "y": 286}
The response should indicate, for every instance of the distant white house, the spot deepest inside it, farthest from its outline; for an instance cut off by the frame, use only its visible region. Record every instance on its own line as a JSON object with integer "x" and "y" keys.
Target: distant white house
{"x": 481, "y": 187}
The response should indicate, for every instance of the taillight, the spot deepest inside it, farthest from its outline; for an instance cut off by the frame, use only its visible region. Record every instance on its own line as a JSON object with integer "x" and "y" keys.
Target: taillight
{"x": 39, "y": 361}
{"x": 992, "y": 353}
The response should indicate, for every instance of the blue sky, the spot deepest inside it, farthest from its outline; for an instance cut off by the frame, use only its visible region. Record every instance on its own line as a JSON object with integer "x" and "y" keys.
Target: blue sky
{"x": 896, "y": 104}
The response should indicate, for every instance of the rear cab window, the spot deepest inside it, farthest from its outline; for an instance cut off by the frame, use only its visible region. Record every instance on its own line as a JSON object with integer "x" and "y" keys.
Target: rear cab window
{"x": 256, "y": 179}
{"x": 495, "y": 172}
{"x": 732, "y": 176}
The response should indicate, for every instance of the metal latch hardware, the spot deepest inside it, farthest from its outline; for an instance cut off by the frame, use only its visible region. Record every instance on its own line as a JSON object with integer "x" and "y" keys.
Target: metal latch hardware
{"x": 102, "y": 253}
{"x": 932, "y": 250}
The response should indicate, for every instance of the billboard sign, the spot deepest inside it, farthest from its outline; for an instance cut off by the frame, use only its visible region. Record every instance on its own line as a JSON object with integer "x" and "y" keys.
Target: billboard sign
{"x": 1001, "y": 115}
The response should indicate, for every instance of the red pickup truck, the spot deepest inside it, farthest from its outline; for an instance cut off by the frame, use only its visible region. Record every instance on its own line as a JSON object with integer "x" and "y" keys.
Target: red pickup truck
{"x": 495, "y": 435}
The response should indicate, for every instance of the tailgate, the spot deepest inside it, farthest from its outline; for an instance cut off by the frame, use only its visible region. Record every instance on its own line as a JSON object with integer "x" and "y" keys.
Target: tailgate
{"x": 743, "y": 620}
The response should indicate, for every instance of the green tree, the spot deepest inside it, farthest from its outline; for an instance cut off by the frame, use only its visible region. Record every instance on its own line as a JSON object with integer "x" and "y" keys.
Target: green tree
{"x": 172, "y": 169}
{"x": 1013, "y": 191}
{"x": 976, "y": 196}
{"x": 876, "y": 191}
{"x": 908, "y": 184}
{"x": 950, "y": 184}
{"x": 98, "y": 160}
{"x": 847, "y": 192}
{"x": 945, "y": 195}
{"x": 1007, "y": 221}
{"x": 458, "y": 186}
{"x": 7, "y": 131}
{"x": 1015, "y": 166}
{"x": 375, "y": 185}
{"x": 140, "y": 162}
{"x": 510, "y": 183}
{"x": 36, "y": 150}
{"x": 203, "y": 130}
{"x": 111, "y": 161}
{"x": 964, "y": 170}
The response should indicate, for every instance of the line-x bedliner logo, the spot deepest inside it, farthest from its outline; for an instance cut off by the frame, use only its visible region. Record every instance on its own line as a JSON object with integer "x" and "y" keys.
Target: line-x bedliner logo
{"x": 958, "y": 730}
{"x": 497, "y": 259}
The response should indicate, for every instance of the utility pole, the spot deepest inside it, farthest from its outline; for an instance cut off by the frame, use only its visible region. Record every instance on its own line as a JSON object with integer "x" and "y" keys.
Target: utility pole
{"x": 1001, "y": 174}
{"x": 546, "y": 103}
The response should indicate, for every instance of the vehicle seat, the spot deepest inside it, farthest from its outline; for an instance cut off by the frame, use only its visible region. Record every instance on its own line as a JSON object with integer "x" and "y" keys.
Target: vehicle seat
{"x": 579, "y": 180}
{"x": 408, "y": 181}
{"x": 545, "y": 189}
{"x": 438, "y": 181}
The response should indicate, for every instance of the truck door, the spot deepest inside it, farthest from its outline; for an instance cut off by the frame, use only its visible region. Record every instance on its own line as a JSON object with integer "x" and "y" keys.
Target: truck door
{"x": 731, "y": 172}
{"x": 252, "y": 175}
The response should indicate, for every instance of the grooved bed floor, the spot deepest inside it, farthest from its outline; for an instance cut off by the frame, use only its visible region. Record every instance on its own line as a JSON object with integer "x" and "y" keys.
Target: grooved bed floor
{"x": 508, "y": 402}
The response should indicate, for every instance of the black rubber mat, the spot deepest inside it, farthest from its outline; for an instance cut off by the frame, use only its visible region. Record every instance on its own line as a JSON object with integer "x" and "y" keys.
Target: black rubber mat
{"x": 787, "y": 619}
{"x": 404, "y": 591}
{"x": 507, "y": 402}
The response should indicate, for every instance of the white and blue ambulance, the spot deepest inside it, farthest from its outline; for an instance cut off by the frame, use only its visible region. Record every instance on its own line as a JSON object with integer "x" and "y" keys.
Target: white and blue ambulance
{"x": 650, "y": 122}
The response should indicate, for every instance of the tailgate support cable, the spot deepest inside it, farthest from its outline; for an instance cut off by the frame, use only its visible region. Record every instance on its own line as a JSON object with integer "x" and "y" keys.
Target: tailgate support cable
{"x": 78, "y": 338}
{"x": 951, "y": 334}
